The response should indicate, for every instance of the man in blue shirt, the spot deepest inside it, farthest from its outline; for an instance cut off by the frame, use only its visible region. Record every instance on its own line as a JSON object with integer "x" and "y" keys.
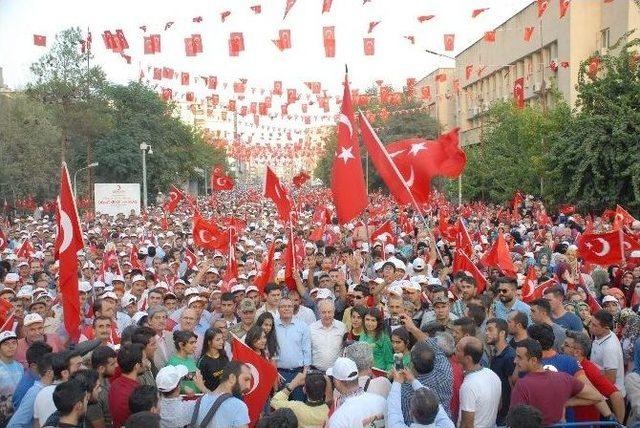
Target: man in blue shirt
{"x": 23, "y": 416}
{"x": 508, "y": 301}
{"x": 568, "y": 320}
{"x": 294, "y": 343}
{"x": 35, "y": 351}
{"x": 233, "y": 412}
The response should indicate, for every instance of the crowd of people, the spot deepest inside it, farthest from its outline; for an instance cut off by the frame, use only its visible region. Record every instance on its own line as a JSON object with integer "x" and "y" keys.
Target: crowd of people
{"x": 362, "y": 332}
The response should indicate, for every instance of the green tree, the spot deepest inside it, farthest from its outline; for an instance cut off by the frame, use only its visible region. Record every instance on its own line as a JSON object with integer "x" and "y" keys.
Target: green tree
{"x": 142, "y": 116}
{"x": 512, "y": 151}
{"x": 595, "y": 160}
{"x": 29, "y": 164}
{"x": 405, "y": 120}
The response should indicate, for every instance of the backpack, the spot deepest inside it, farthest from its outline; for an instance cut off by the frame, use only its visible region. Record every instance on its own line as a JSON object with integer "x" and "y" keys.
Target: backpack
{"x": 209, "y": 415}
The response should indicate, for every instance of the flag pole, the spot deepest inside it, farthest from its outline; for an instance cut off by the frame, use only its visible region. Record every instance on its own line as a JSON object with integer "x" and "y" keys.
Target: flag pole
{"x": 404, "y": 184}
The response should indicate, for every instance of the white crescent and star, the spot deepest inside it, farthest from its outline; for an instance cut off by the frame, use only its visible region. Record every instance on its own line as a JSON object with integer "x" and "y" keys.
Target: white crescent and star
{"x": 411, "y": 179}
{"x": 67, "y": 230}
{"x": 220, "y": 181}
{"x": 605, "y": 247}
{"x": 346, "y": 154}
{"x": 255, "y": 376}
{"x": 416, "y": 148}
{"x": 202, "y": 233}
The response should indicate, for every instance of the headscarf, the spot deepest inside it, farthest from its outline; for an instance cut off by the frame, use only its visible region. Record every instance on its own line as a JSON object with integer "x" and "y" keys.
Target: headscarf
{"x": 630, "y": 334}
{"x": 636, "y": 357}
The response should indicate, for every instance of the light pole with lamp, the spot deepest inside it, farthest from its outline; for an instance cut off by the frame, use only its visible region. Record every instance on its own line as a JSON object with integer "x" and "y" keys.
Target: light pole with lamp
{"x": 75, "y": 177}
{"x": 145, "y": 148}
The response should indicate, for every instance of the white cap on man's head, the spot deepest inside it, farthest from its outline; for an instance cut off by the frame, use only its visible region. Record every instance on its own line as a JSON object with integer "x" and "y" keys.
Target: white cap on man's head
{"x": 32, "y": 319}
{"x": 168, "y": 378}
{"x": 137, "y": 278}
{"x": 344, "y": 369}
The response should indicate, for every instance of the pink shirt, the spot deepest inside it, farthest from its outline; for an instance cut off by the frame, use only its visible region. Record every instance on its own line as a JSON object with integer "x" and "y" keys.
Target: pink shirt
{"x": 21, "y": 352}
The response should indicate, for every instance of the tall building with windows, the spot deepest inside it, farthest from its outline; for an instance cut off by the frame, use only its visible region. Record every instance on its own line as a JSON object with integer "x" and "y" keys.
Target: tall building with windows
{"x": 545, "y": 52}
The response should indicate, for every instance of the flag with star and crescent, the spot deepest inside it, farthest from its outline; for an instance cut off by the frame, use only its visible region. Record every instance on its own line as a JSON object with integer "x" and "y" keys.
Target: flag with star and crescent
{"x": 347, "y": 179}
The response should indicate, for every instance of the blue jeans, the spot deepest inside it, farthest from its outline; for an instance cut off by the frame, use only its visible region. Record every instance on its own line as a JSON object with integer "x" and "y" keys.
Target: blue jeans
{"x": 288, "y": 375}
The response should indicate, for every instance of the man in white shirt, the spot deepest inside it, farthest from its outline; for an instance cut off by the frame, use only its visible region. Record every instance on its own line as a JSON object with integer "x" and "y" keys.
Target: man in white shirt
{"x": 481, "y": 389}
{"x": 606, "y": 351}
{"x": 301, "y": 312}
{"x": 354, "y": 405}
{"x": 327, "y": 335}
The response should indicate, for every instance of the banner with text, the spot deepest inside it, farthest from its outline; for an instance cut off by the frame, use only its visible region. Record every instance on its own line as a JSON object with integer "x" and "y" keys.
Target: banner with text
{"x": 117, "y": 198}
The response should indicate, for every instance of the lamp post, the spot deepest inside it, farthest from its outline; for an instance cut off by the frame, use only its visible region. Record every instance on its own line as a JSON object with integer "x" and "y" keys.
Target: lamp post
{"x": 75, "y": 177}
{"x": 144, "y": 148}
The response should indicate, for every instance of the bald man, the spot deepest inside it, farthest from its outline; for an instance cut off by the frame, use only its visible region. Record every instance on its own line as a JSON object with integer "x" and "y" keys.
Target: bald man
{"x": 326, "y": 336}
{"x": 481, "y": 389}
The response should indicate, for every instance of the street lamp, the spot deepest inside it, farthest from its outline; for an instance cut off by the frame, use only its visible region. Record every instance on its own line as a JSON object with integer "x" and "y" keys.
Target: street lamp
{"x": 75, "y": 177}
{"x": 145, "y": 148}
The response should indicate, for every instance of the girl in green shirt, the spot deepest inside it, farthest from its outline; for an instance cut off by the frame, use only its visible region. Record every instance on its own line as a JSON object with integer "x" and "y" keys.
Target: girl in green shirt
{"x": 185, "y": 342}
{"x": 374, "y": 335}
{"x": 402, "y": 341}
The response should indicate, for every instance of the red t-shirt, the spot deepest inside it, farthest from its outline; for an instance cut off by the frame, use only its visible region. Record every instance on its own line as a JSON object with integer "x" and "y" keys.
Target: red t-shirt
{"x": 546, "y": 391}
{"x": 119, "y": 393}
{"x": 601, "y": 383}
{"x": 458, "y": 377}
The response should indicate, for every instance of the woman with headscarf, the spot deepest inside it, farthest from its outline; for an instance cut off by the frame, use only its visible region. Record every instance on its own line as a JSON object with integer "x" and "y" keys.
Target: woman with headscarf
{"x": 630, "y": 322}
{"x": 632, "y": 385}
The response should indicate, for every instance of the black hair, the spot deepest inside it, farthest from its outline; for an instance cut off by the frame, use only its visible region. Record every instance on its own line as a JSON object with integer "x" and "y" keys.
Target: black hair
{"x": 534, "y": 350}
{"x": 604, "y": 318}
{"x": 142, "y": 335}
{"x": 232, "y": 368}
{"x": 60, "y": 362}
{"x": 501, "y": 325}
{"x": 424, "y": 406}
{"x": 271, "y": 287}
{"x": 253, "y": 335}
{"x": 208, "y": 336}
{"x": 128, "y": 356}
{"x": 143, "y": 399}
{"x": 143, "y": 420}
{"x": 362, "y": 288}
{"x": 473, "y": 348}
{"x": 88, "y": 378}
{"x": 227, "y": 297}
{"x": 67, "y": 394}
{"x": 44, "y": 364}
{"x": 542, "y": 304}
{"x": 468, "y": 325}
{"x": 360, "y": 310}
{"x": 272, "y": 339}
{"x": 403, "y": 334}
{"x": 101, "y": 355}
{"x": 543, "y": 334}
{"x": 469, "y": 280}
{"x": 477, "y": 313}
{"x": 521, "y": 318}
{"x": 505, "y": 280}
{"x": 524, "y": 416}
{"x": 280, "y": 418}
{"x": 432, "y": 328}
{"x": 314, "y": 386}
{"x": 556, "y": 290}
{"x": 36, "y": 350}
{"x": 182, "y": 336}
{"x": 422, "y": 358}
{"x": 377, "y": 314}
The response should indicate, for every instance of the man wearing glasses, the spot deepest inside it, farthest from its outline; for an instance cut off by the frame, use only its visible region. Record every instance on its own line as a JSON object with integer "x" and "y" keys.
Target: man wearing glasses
{"x": 508, "y": 301}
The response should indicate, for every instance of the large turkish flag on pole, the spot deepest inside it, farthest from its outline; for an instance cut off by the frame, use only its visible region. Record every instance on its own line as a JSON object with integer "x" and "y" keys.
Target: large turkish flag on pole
{"x": 462, "y": 263}
{"x": 347, "y": 180}
{"x": 602, "y": 248}
{"x": 70, "y": 244}
{"x": 274, "y": 190}
{"x": 498, "y": 256}
{"x": 207, "y": 235}
{"x": 263, "y": 376}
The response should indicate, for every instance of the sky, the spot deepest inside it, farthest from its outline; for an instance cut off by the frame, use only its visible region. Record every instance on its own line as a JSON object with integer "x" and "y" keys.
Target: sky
{"x": 261, "y": 63}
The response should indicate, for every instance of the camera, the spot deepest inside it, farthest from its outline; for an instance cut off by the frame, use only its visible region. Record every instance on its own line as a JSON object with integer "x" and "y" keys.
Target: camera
{"x": 398, "y": 364}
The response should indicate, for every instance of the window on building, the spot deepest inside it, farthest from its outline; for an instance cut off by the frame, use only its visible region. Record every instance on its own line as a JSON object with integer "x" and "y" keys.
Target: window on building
{"x": 605, "y": 39}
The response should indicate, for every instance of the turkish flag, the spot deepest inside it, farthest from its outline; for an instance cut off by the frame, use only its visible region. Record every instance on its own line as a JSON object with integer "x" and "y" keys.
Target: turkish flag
{"x": 564, "y": 6}
{"x": 133, "y": 259}
{"x": 531, "y": 290}
{"x": 221, "y": 181}
{"x": 490, "y": 36}
{"x": 542, "y": 7}
{"x": 189, "y": 47}
{"x": 231, "y": 272}
{"x": 299, "y": 179}
{"x": 257, "y": 9}
{"x": 449, "y": 40}
{"x": 424, "y": 18}
{"x": 477, "y": 12}
{"x": 236, "y": 43}
{"x": 622, "y": 218}
{"x": 468, "y": 70}
{"x": 266, "y": 270}
{"x": 518, "y": 92}
{"x": 463, "y": 241}
{"x": 426, "y": 92}
{"x": 347, "y": 179}
{"x": 288, "y": 7}
{"x": 26, "y": 250}
{"x": 3, "y": 240}
{"x": 274, "y": 190}
{"x": 326, "y": 6}
{"x": 68, "y": 255}
{"x": 284, "y": 39}
{"x": 602, "y": 248}
{"x": 263, "y": 377}
{"x": 184, "y": 78}
{"x": 175, "y": 197}
{"x": 462, "y": 263}
{"x": 329, "y": 38}
{"x": 39, "y": 40}
{"x": 155, "y": 42}
{"x": 277, "y": 88}
{"x": 528, "y": 32}
{"x": 197, "y": 43}
{"x": 498, "y": 256}
{"x": 122, "y": 39}
{"x": 293, "y": 257}
{"x": 384, "y": 234}
{"x": 6, "y": 315}
{"x": 369, "y": 46}
{"x": 207, "y": 235}
{"x": 418, "y": 160}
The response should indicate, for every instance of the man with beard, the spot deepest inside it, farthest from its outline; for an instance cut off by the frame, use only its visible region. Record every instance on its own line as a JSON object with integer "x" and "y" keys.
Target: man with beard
{"x": 235, "y": 380}
{"x": 503, "y": 363}
{"x": 467, "y": 292}
{"x": 508, "y": 301}
{"x": 103, "y": 360}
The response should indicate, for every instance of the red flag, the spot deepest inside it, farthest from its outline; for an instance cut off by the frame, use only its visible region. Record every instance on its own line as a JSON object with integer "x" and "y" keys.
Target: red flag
{"x": 285, "y": 39}
{"x": 567, "y": 209}
{"x": 531, "y": 290}
{"x": 263, "y": 377}
{"x": 69, "y": 246}
{"x": 197, "y": 43}
{"x": 236, "y": 43}
{"x": 425, "y": 18}
{"x": 384, "y": 234}
{"x": 39, "y": 40}
{"x": 207, "y": 235}
{"x": 231, "y": 272}
{"x": 528, "y": 32}
{"x": 3, "y": 240}
{"x": 184, "y": 78}
{"x": 293, "y": 256}
{"x": 372, "y": 25}
{"x": 518, "y": 92}
{"x": 490, "y": 36}
{"x": 6, "y": 315}
{"x": 189, "y": 47}
{"x": 369, "y": 46}
{"x": 449, "y": 40}
{"x": 122, "y": 39}
{"x": 463, "y": 241}
{"x": 288, "y": 7}
{"x": 462, "y": 263}
{"x": 564, "y": 6}
{"x": 419, "y": 160}
{"x": 498, "y": 256}
{"x": 329, "y": 38}
{"x": 257, "y": 9}
{"x": 326, "y": 6}
{"x": 274, "y": 190}
{"x": 622, "y": 218}
{"x": 266, "y": 270}
{"x": 630, "y": 243}
{"x": 224, "y": 15}
{"x": 542, "y": 7}
{"x": 175, "y": 197}
{"x": 299, "y": 179}
{"x": 347, "y": 179}
{"x": 133, "y": 259}
{"x": 601, "y": 248}
{"x": 26, "y": 250}
{"x": 221, "y": 181}
{"x": 477, "y": 12}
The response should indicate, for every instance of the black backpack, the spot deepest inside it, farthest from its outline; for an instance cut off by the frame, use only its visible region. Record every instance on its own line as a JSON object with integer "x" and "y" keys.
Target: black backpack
{"x": 210, "y": 414}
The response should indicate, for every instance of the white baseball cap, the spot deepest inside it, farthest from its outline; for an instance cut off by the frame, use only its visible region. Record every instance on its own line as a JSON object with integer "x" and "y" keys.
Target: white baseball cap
{"x": 196, "y": 299}
{"x": 120, "y": 278}
{"x": 419, "y": 264}
{"x": 137, "y": 278}
{"x": 84, "y": 286}
{"x": 395, "y": 289}
{"x": 6, "y": 335}
{"x": 12, "y": 277}
{"x": 168, "y": 378}
{"x": 237, "y": 288}
{"x": 609, "y": 298}
{"x": 252, "y": 288}
{"x": 32, "y": 319}
{"x": 343, "y": 369}
{"x": 191, "y": 291}
{"x": 110, "y": 295}
{"x": 128, "y": 299}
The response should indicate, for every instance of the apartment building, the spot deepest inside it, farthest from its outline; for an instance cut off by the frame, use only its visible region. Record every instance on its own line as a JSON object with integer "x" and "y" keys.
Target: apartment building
{"x": 486, "y": 71}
